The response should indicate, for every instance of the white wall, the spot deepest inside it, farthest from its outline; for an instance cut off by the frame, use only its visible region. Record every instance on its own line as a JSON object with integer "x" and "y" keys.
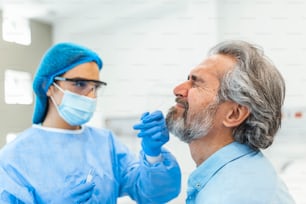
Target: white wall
{"x": 279, "y": 26}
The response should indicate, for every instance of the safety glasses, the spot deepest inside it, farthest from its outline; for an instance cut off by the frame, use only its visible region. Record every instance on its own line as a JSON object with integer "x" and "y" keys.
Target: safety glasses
{"x": 82, "y": 86}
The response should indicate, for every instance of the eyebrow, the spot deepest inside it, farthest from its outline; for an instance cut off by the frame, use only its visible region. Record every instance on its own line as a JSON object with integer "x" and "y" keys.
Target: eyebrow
{"x": 195, "y": 78}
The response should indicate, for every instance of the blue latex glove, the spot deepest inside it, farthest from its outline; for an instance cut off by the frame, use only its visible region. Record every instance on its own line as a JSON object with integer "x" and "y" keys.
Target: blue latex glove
{"x": 79, "y": 194}
{"x": 153, "y": 131}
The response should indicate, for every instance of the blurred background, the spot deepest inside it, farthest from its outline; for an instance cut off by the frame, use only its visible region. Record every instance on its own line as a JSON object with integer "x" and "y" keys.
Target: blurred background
{"x": 148, "y": 47}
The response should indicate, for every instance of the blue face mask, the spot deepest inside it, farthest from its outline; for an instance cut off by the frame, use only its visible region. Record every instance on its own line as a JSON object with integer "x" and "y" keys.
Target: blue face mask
{"x": 75, "y": 109}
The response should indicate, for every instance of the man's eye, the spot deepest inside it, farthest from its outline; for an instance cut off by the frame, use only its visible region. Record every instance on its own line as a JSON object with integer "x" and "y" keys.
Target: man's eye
{"x": 194, "y": 84}
{"x": 81, "y": 84}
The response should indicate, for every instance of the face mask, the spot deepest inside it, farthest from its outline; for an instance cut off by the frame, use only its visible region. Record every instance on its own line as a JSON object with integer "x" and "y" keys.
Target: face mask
{"x": 75, "y": 109}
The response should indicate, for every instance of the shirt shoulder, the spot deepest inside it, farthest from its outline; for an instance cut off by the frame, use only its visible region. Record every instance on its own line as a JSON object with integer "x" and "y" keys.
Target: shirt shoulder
{"x": 250, "y": 178}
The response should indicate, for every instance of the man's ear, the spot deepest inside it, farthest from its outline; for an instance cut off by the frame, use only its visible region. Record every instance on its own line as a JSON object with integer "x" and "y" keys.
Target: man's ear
{"x": 236, "y": 115}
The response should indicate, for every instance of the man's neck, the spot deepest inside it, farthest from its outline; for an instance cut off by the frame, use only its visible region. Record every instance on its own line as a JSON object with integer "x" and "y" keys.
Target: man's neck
{"x": 201, "y": 149}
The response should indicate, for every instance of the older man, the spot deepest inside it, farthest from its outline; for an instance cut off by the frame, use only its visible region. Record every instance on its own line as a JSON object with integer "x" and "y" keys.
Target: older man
{"x": 227, "y": 110}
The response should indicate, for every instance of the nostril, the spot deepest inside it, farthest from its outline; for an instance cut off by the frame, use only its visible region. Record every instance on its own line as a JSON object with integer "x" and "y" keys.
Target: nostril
{"x": 180, "y": 92}
{"x": 182, "y": 89}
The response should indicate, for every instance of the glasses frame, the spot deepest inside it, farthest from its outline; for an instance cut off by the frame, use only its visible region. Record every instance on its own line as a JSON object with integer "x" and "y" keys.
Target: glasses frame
{"x": 80, "y": 79}
{"x": 76, "y": 80}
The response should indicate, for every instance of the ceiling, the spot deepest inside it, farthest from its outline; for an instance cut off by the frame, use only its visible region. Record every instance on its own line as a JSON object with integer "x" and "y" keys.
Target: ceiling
{"x": 47, "y": 10}
{"x": 79, "y": 16}
{"x": 51, "y": 11}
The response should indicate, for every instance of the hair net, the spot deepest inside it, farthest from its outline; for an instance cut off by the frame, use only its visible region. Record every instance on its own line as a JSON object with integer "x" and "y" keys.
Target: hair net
{"x": 58, "y": 59}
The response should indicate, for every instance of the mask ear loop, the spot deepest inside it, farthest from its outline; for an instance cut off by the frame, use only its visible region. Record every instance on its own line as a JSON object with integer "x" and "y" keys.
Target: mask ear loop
{"x": 59, "y": 88}
{"x": 51, "y": 97}
{"x": 53, "y": 101}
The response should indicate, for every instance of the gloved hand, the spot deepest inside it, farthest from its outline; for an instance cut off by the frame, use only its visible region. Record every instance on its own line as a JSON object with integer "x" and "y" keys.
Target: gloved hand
{"x": 9, "y": 198}
{"x": 153, "y": 131}
{"x": 79, "y": 194}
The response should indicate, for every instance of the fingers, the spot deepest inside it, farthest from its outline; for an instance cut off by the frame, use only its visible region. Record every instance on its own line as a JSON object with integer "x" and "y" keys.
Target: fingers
{"x": 83, "y": 189}
{"x": 142, "y": 126}
{"x": 150, "y": 120}
{"x": 144, "y": 115}
{"x": 157, "y": 115}
{"x": 159, "y": 136}
{"x": 85, "y": 196}
{"x": 83, "y": 192}
{"x": 153, "y": 125}
{"x": 151, "y": 131}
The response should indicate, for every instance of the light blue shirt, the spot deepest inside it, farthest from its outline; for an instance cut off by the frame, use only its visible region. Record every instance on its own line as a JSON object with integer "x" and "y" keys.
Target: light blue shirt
{"x": 40, "y": 162}
{"x": 236, "y": 174}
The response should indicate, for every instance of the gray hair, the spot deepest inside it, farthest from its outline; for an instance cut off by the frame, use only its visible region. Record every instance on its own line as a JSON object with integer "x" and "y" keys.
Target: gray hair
{"x": 254, "y": 82}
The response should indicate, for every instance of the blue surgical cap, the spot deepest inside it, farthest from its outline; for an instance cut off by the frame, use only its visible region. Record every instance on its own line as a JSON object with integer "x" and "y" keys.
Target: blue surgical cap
{"x": 58, "y": 59}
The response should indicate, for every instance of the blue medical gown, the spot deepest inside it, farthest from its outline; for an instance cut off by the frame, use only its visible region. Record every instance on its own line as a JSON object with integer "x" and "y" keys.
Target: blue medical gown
{"x": 40, "y": 162}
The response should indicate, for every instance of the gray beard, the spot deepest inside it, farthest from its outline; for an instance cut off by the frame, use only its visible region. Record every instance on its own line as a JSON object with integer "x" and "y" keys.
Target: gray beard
{"x": 191, "y": 126}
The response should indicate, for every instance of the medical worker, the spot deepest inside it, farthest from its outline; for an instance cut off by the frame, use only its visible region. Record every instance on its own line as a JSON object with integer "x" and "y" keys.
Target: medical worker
{"x": 60, "y": 160}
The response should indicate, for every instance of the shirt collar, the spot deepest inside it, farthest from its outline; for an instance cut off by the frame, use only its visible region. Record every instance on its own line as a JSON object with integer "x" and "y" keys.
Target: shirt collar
{"x": 200, "y": 176}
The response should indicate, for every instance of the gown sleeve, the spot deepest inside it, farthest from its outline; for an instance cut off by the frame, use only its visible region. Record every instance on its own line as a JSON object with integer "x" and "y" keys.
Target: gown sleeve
{"x": 145, "y": 182}
{"x": 15, "y": 189}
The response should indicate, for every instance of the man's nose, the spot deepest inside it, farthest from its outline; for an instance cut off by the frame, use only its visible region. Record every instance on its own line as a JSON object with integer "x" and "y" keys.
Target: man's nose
{"x": 182, "y": 89}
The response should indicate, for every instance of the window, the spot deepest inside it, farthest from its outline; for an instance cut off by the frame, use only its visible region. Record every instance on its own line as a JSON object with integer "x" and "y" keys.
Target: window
{"x": 16, "y": 29}
{"x": 17, "y": 87}
{"x": 10, "y": 137}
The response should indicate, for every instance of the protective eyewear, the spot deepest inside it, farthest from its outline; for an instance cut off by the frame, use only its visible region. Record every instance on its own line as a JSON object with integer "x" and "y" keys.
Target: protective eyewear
{"x": 82, "y": 86}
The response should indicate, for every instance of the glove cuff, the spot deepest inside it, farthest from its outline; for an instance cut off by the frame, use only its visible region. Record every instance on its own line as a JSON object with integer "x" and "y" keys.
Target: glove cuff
{"x": 153, "y": 160}
{"x": 152, "y": 152}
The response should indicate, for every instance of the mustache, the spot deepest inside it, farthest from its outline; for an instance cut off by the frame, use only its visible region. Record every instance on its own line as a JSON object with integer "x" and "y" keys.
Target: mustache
{"x": 182, "y": 102}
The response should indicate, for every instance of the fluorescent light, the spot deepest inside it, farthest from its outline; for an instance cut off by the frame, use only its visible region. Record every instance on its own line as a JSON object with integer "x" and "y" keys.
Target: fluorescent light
{"x": 16, "y": 29}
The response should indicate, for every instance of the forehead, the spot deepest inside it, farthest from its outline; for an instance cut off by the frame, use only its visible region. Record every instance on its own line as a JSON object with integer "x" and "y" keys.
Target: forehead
{"x": 214, "y": 66}
{"x": 88, "y": 70}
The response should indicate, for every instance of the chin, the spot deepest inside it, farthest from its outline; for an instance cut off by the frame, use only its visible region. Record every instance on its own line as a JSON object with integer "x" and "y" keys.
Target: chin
{"x": 175, "y": 112}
